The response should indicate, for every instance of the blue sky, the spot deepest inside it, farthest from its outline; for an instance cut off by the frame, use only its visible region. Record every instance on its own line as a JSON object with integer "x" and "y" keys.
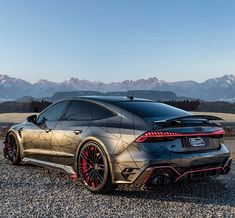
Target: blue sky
{"x": 114, "y": 40}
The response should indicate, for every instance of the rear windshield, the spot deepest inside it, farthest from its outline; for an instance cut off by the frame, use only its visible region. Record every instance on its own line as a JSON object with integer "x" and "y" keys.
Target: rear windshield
{"x": 154, "y": 110}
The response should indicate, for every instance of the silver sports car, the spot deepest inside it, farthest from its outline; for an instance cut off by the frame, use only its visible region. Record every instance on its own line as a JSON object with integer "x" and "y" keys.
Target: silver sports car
{"x": 106, "y": 141}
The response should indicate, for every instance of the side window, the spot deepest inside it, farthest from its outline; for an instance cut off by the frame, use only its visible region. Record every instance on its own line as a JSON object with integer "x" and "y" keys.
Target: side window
{"x": 53, "y": 113}
{"x": 100, "y": 112}
{"x": 79, "y": 110}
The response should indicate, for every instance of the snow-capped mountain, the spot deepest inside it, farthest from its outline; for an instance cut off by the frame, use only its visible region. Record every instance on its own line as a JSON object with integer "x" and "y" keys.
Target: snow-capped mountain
{"x": 11, "y": 88}
{"x": 221, "y": 88}
{"x": 86, "y": 85}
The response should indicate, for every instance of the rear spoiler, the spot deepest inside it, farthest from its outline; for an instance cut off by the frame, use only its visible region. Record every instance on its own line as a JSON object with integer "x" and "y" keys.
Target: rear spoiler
{"x": 207, "y": 117}
{"x": 177, "y": 120}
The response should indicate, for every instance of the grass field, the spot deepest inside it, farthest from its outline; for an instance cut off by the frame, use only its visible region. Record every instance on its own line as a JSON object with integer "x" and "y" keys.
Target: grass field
{"x": 226, "y": 116}
{"x": 13, "y": 117}
{"x": 21, "y": 117}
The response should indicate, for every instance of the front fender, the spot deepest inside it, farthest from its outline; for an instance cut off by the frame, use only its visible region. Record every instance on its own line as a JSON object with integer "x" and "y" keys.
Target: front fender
{"x": 16, "y": 130}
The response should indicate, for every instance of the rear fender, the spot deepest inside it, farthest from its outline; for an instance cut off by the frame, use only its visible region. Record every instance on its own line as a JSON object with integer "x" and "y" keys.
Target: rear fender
{"x": 93, "y": 139}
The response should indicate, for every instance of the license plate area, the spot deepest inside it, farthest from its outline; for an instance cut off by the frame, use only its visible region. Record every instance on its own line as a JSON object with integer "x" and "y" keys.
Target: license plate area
{"x": 196, "y": 142}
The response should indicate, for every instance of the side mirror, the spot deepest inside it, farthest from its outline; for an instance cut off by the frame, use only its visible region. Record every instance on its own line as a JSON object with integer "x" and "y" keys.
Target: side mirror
{"x": 32, "y": 118}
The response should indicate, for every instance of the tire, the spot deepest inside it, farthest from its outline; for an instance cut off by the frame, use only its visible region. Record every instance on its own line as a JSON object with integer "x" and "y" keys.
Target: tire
{"x": 12, "y": 149}
{"x": 93, "y": 169}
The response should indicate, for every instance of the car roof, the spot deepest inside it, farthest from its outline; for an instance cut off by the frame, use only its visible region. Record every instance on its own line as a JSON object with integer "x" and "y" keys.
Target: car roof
{"x": 108, "y": 99}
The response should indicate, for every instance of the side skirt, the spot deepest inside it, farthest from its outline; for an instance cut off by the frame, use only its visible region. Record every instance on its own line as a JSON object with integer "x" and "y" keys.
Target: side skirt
{"x": 67, "y": 169}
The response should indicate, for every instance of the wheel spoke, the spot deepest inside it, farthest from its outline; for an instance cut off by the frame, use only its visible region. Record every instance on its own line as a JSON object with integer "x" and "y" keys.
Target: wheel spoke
{"x": 94, "y": 154}
{"x": 81, "y": 165}
{"x": 98, "y": 158}
{"x": 96, "y": 179}
{"x": 99, "y": 177}
{"x": 87, "y": 177}
{"x": 91, "y": 177}
{"x": 89, "y": 153}
{"x": 85, "y": 157}
{"x": 87, "y": 171}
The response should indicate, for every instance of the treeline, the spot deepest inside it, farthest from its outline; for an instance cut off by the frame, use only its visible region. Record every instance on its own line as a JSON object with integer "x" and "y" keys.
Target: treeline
{"x": 202, "y": 106}
{"x": 187, "y": 105}
{"x": 38, "y": 106}
{"x": 23, "y": 107}
{"x": 218, "y": 106}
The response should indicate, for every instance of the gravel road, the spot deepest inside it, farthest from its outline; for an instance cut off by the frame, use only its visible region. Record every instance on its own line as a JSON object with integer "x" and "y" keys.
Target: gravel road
{"x": 29, "y": 191}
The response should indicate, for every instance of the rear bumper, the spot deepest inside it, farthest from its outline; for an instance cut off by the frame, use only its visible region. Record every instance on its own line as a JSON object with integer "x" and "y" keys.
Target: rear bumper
{"x": 175, "y": 175}
{"x": 179, "y": 166}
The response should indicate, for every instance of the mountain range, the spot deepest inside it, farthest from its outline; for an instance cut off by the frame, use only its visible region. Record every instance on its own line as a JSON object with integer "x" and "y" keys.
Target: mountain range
{"x": 220, "y": 88}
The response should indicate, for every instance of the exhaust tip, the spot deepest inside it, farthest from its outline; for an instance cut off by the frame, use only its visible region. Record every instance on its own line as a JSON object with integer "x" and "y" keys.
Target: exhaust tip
{"x": 161, "y": 180}
{"x": 157, "y": 180}
{"x": 167, "y": 179}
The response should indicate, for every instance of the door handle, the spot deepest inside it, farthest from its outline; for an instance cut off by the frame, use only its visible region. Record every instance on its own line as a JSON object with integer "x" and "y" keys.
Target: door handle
{"x": 48, "y": 130}
{"x": 77, "y": 131}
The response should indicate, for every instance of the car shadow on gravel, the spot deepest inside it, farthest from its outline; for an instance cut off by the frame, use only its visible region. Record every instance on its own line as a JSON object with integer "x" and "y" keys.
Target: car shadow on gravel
{"x": 211, "y": 190}
{"x": 208, "y": 191}
{"x": 215, "y": 191}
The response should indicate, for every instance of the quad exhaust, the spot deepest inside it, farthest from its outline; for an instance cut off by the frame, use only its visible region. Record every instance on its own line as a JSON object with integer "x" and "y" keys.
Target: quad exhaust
{"x": 164, "y": 179}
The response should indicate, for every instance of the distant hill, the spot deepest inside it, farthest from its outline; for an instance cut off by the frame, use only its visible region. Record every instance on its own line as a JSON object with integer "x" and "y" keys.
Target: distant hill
{"x": 215, "y": 89}
{"x": 153, "y": 95}
{"x": 29, "y": 105}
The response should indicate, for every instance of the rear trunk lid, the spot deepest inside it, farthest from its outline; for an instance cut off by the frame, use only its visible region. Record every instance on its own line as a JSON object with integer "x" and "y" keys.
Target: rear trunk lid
{"x": 196, "y": 139}
{"x": 188, "y": 134}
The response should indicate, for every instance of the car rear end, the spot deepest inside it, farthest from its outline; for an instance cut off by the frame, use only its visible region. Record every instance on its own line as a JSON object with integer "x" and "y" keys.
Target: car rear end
{"x": 184, "y": 152}
{"x": 176, "y": 148}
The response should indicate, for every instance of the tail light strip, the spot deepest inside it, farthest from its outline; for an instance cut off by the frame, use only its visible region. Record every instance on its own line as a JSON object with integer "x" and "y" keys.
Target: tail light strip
{"x": 172, "y": 135}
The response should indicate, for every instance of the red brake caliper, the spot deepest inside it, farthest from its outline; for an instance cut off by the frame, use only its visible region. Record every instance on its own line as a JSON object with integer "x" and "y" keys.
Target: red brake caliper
{"x": 84, "y": 167}
{"x": 93, "y": 181}
{"x": 9, "y": 151}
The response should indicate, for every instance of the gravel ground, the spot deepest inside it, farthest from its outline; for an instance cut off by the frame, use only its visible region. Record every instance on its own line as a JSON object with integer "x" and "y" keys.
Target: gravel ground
{"x": 29, "y": 191}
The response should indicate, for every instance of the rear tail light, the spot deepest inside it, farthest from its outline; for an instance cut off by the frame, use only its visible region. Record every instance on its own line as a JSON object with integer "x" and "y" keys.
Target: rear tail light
{"x": 165, "y": 136}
